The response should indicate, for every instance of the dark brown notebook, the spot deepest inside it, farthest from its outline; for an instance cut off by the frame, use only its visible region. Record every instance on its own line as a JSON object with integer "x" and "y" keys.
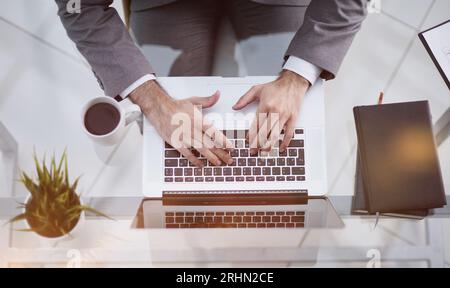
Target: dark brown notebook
{"x": 398, "y": 162}
{"x": 359, "y": 203}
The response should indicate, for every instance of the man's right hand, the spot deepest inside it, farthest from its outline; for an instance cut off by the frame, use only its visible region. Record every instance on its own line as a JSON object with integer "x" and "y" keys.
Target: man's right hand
{"x": 159, "y": 108}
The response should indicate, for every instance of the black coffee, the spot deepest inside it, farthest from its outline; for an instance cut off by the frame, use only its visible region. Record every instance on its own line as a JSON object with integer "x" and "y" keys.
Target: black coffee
{"x": 101, "y": 118}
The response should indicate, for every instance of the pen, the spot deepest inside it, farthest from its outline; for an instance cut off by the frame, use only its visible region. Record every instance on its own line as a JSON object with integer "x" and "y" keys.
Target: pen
{"x": 380, "y": 98}
{"x": 377, "y": 214}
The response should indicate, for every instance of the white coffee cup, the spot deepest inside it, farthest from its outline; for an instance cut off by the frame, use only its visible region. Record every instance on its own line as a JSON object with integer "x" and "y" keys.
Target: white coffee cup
{"x": 129, "y": 113}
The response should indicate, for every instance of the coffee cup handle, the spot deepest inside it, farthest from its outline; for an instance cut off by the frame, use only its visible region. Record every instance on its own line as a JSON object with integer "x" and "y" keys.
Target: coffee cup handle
{"x": 132, "y": 111}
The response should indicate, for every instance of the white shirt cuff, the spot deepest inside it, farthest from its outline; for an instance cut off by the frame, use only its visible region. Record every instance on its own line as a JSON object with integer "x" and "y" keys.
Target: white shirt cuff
{"x": 136, "y": 84}
{"x": 303, "y": 68}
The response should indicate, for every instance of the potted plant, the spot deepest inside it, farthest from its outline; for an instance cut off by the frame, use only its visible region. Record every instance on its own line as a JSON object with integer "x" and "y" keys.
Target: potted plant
{"x": 53, "y": 209}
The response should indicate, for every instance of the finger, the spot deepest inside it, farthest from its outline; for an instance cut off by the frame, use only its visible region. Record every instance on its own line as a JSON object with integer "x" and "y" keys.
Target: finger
{"x": 208, "y": 154}
{"x": 261, "y": 135}
{"x": 202, "y": 148}
{"x": 247, "y": 98}
{"x": 273, "y": 120}
{"x": 274, "y": 135}
{"x": 254, "y": 130}
{"x": 223, "y": 155}
{"x": 190, "y": 157}
{"x": 220, "y": 140}
{"x": 206, "y": 141}
{"x": 288, "y": 134}
{"x": 205, "y": 102}
{"x": 263, "y": 132}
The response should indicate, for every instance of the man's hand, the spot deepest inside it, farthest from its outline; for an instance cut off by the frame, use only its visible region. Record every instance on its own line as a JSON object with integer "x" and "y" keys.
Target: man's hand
{"x": 279, "y": 104}
{"x": 160, "y": 109}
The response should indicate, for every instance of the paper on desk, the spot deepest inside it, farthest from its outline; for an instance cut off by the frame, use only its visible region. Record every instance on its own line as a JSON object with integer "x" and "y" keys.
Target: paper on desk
{"x": 438, "y": 40}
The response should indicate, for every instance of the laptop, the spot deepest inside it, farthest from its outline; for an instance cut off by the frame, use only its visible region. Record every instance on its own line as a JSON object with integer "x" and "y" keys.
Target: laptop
{"x": 269, "y": 190}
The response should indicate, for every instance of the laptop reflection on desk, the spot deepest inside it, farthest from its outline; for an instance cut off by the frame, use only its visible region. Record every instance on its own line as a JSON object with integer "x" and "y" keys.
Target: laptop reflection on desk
{"x": 288, "y": 210}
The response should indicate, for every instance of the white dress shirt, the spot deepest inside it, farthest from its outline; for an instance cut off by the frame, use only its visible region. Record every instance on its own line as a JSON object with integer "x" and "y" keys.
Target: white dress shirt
{"x": 303, "y": 68}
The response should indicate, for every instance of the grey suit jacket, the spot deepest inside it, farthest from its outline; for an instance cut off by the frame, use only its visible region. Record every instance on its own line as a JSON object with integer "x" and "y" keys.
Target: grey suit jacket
{"x": 145, "y": 4}
{"x": 100, "y": 35}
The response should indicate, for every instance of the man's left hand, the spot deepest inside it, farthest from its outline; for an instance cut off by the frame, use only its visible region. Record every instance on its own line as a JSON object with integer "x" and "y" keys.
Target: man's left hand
{"x": 279, "y": 105}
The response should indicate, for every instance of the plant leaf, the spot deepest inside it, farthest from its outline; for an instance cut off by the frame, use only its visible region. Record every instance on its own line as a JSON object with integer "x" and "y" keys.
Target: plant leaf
{"x": 29, "y": 184}
{"x": 38, "y": 166}
{"x": 25, "y": 230}
{"x": 75, "y": 184}
{"x": 66, "y": 169}
{"x": 17, "y": 218}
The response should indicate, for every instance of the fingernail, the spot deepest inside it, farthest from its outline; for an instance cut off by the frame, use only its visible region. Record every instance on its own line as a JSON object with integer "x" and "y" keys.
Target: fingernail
{"x": 230, "y": 161}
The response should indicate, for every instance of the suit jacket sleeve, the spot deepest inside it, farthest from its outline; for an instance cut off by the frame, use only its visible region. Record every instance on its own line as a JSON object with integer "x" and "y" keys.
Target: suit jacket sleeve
{"x": 102, "y": 38}
{"x": 326, "y": 34}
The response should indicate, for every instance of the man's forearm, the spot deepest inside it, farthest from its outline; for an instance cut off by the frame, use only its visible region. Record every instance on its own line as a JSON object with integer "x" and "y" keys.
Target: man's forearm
{"x": 102, "y": 38}
{"x": 294, "y": 79}
{"x": 149, "y": 96}
{"x": 327, "y": 33}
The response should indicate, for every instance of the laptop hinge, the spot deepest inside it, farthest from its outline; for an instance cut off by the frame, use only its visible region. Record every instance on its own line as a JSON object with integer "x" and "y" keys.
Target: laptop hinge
{"x": 188, "y": 198}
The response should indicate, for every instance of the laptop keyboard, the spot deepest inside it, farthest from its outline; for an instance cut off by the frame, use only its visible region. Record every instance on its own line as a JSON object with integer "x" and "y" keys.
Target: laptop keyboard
{"x": 247, "y": 219}
{"x": 264, "y": 167}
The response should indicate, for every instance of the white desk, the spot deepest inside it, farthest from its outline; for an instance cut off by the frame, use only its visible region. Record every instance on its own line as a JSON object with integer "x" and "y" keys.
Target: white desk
{"x": 113, "y": 175}
{"x": 114, "y": 243}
